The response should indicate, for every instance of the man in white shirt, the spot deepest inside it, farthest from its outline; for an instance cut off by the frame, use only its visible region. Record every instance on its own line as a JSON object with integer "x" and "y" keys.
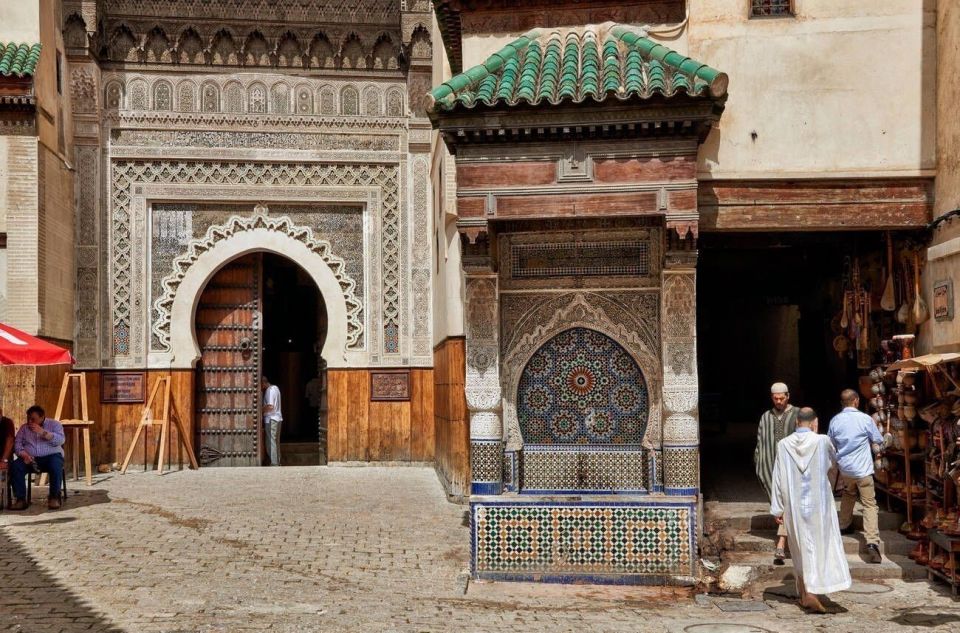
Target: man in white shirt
{"x": 272, "y": 418}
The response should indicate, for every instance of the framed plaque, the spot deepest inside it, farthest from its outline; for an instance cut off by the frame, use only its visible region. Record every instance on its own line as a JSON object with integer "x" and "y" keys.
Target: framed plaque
{"x": 123, "y": 386}
{"x": 943, "y": 300}
{"x": 390, "y": 385}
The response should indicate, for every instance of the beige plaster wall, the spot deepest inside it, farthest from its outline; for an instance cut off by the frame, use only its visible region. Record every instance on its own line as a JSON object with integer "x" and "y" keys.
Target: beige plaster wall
{"x": 944, "y": 253}
{"x": 843, "y": 89}
{"x": 448, "y": 285}
{"x": 53, "y": 105}
{"x": 20, "y": 21}
{"x": 18, "y": 169}
{"x": 948, "y": 98}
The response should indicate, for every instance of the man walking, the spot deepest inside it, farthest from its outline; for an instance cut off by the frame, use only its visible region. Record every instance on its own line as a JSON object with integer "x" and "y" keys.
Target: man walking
{"x": 802, "y": 500}
{"x": 39, "y": 445}
{"x": 854, "y": 433}
{"x": 272, "y": 418}
{"x": 775, "y": 424}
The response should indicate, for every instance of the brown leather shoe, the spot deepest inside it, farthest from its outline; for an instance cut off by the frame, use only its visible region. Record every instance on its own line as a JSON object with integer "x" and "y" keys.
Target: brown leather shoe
{"x": 53, "y": 503}
{"x": 19, "y": 504}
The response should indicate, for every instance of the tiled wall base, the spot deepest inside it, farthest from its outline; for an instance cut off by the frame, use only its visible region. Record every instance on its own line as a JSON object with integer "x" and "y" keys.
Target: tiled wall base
{"x": 625, "y": 542}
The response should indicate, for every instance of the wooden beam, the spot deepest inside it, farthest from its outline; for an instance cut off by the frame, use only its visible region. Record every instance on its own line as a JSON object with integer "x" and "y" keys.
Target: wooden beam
{"x": 815, "y": 205}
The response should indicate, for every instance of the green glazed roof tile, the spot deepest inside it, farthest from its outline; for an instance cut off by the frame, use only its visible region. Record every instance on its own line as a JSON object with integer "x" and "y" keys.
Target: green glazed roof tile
{"x": 574, "y": 64}
{"x": 18, "y": 59}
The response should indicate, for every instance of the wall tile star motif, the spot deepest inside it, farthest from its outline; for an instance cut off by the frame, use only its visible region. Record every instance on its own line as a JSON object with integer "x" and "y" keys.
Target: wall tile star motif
{"x": 581, "y": 387}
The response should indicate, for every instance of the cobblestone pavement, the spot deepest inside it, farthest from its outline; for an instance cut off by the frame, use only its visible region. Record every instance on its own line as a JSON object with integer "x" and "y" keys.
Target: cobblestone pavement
{"x": 339, "y": 549}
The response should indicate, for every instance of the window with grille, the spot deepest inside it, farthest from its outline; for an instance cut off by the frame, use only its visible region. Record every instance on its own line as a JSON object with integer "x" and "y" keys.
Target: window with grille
{"x": 770, "y": 8}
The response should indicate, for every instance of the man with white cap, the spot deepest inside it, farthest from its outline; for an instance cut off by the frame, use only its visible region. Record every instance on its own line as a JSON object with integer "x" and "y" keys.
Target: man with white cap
{"x": 775, "y": 424}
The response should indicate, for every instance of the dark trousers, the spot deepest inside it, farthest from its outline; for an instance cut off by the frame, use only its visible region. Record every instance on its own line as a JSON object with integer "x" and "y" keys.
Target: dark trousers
{"x": 50, "y": 464}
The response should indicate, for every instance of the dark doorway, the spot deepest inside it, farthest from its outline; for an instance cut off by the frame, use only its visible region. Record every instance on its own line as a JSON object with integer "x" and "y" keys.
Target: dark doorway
{"x": 294, "y": 329}
{"x": 767, "y": 311}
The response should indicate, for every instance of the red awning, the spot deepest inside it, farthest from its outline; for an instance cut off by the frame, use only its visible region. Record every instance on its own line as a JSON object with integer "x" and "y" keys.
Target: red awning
{"x": 19, "y": 348}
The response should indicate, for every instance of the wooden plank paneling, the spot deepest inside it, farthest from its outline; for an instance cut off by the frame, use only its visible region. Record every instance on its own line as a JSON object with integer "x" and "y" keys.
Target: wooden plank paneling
{"x": 422, "y": 420}
{"x": 644, "y": 169}
{"x": 811, "y": 205}
{"x": 337, "y": 384}
{"x": 389, "y": 431}
{"x": 357, "y": 403}
{"x": 502, "y": 173}
{"x": 361, "y": 430}
{"x": 452, "y": 435}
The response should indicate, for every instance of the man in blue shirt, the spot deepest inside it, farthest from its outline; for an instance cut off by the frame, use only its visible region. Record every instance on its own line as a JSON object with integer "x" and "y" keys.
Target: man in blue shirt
{"x": 855, "y": 436}
{"x": 39, "y": 446}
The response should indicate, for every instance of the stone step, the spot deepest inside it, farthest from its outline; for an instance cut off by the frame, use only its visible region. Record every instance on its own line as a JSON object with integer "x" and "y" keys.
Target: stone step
{"x": 753, "y": 517}
{"x": 765, "y": 541}
{"x": 894, "y": 566}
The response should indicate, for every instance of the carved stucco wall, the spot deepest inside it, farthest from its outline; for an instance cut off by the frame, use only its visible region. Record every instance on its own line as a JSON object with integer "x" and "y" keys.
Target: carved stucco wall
{"x": 299, "y": 143}
{"x": 591, "y": 292}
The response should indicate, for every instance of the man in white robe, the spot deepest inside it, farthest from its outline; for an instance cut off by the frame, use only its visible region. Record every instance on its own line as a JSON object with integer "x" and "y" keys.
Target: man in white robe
{"x": 802, "y": 499}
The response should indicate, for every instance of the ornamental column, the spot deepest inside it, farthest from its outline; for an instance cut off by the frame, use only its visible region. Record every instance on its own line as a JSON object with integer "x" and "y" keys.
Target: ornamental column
{"x": 681, "y": 425}
{"x": 484, "y": 398}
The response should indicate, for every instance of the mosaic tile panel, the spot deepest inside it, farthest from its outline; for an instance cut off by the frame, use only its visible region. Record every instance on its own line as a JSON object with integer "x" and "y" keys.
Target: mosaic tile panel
{"x": 581, "y": 387}
{"x": 681, "y": 468}
{"x": 511, "y": 470}
{"x": 584, "y": 469}
{"x": 602, "y": 539}
{"x": 486, "y": 461}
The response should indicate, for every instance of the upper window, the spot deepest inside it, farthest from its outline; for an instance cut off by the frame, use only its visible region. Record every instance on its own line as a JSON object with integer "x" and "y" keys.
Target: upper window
{"x": 770, "y": 8}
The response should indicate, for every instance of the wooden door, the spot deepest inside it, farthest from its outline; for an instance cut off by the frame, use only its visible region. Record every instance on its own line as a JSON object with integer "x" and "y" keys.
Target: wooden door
{"x": 228, "y": 374}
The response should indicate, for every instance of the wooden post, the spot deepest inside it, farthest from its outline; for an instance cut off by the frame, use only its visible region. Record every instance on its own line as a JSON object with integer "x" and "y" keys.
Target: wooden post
{"x": 146, "y": 420}
{"x": 77, "y": 424}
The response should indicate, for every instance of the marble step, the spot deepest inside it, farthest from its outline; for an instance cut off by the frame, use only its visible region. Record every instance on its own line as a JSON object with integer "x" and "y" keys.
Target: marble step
{"x": 765, "y": 540}
{"x": 894, "y": 566}
{"x": 754, "y": 517}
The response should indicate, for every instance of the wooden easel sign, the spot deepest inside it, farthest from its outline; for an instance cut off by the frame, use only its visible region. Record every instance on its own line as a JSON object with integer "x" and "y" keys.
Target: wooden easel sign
{"x": 79, "y": 382}
{"x": 147, "y": 419}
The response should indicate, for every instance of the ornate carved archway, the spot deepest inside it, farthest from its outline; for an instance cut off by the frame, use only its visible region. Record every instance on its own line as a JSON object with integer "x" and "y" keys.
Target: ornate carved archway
{"x": 238, "y": 237}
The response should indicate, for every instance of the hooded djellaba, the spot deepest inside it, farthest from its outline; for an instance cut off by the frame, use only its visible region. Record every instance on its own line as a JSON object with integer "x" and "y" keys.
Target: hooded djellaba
{"x": 802, "y": 498}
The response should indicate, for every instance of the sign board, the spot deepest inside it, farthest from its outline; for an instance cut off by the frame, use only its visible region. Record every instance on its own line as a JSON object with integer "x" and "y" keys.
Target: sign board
{"x": 390, "y": 385}
{"x": 943, "y": 300}
{"x": 123, "y": 386}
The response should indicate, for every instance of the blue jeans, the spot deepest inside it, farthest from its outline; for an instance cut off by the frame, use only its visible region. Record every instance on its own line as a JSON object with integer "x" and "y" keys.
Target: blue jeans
{"x": 271, "y": 436}
{"x": 51, "y": 464}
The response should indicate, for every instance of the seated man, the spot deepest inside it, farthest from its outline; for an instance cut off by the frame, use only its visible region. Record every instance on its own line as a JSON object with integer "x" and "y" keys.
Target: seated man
{"x": 7, "y": 433}
{"x": 39, "y": 445}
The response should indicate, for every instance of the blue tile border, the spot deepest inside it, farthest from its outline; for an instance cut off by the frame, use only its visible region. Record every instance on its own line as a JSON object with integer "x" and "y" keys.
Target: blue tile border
{"x": 587, "y": 579}
{"x": 486, "y": 487}
{"x": 579, "y": 491}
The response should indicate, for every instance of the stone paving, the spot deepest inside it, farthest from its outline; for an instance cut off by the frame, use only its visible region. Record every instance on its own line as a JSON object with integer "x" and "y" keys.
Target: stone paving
{"x": 342, "y": 549}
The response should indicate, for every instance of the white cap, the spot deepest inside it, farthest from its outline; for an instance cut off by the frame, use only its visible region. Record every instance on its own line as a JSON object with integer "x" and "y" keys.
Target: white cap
{"x": 779, "y": 387}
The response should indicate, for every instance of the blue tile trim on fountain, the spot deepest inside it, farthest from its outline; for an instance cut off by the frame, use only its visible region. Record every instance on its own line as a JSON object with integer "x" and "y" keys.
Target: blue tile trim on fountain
{"x": 486, "y": 488}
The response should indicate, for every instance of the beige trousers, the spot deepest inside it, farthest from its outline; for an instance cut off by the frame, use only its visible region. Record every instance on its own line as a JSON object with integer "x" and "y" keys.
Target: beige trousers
{"x": 781, "y": 530}
{"x": 862, "y": 488}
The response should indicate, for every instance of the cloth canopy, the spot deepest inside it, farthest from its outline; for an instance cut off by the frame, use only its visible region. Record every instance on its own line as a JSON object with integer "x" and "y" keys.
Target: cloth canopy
{"x": 924, "y": 362}
{"x": 19, "y": 348}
